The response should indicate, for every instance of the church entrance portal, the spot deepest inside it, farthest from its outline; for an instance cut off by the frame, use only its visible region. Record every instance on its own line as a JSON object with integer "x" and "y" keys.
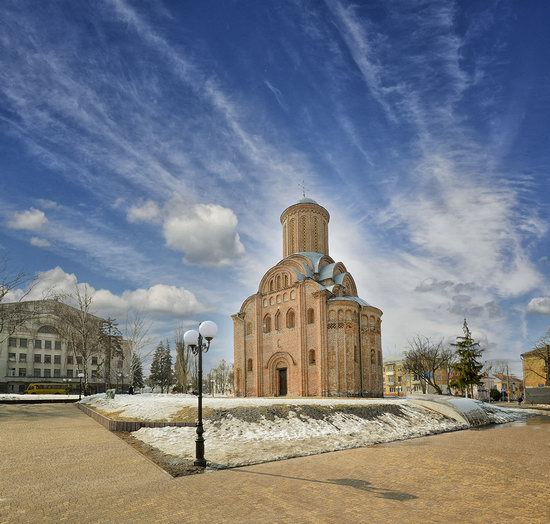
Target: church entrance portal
{"x": 282, "y": 382}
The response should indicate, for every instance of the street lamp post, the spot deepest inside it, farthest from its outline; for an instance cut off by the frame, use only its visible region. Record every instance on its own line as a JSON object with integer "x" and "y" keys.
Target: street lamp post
{"x": 195, "y": 341}
{"x": 80, "y": 377}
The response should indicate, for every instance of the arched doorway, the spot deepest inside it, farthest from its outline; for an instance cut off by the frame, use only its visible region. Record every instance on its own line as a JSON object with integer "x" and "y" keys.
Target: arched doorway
{"x": 279, "y": 366}
{"x": 282, "y": 382}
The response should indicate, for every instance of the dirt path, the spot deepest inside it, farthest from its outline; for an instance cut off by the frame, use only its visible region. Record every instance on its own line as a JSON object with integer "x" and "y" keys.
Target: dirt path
{"x": 58, "y": 465}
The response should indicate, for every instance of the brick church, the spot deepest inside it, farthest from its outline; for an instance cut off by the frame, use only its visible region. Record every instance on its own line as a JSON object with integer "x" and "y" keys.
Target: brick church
{"x": 306, "y": 332}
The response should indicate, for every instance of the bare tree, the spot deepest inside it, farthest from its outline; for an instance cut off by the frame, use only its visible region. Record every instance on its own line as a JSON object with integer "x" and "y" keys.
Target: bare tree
{"x": 186, "y": 364}
{"x": 220, "y": 378}
{"x": 424, "y": 359}
{"x": 136, "y": 336}
{"x": 540, "y": 351}
{"x": 15, "y": 308}
{"x": 81, "y": 329}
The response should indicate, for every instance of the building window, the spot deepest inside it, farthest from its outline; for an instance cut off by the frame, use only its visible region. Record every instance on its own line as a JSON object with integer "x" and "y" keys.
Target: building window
{"x": 47, "y": 373}
{"x": 278, "y": 321}
{"x": 47, "y": 344}
{"x": 286, "y": 280}
{"x": 22, "y": 357}
{"x": 271, "y": 285}
{"x": 79, "y": 360}
{"x": 58, "y": 344}
{"x": 278, "y": 281}
{"x": 37, "y": 372}
{"x": 37, "y": 344}
{"x": 310, "y": 316}
{"x": 11, "y": 372}
{"x": 372, "y": 356}
{"x": 23, "y": 342}
{"x": 290, "y": 318}
{"x": 70, "y": 359}
{"x": 249, "y": 328}
{"x": 70, "y": 373}
{"x": 57, "y": 359}
{"x": 37, "y": 358}
{"x": 312, "y": 356}
{"x": 47, "y": 359}
{"x": 94, "y": 361}
{"x": 94, "y": 373}
{"x": 57, "y": 372}
{"x": 249, "y": 366}
{"x": 12, "y": 342}
{"x": 11, "y": 357}
{"x": 267, "y": 324}
{"x": 22, "y": 372}
{"x": 119, "y": 364}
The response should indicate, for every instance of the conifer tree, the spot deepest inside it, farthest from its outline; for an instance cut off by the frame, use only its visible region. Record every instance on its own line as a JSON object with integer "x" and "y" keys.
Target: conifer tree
{"x": 467, "y": 369}
{"x": 137, "y": 371}
{"x": 155, "y": 376}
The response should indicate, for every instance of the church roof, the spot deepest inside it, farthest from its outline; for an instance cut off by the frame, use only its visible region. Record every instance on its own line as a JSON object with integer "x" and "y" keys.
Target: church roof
{"x": 352, "y": 299}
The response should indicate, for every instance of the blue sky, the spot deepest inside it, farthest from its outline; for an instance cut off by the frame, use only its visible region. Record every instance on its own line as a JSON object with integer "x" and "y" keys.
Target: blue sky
{"x": 148, "y": 148}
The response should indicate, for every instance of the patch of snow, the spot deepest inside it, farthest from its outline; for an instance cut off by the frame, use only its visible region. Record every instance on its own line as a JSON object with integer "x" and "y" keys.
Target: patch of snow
{"x": 158, "y": 407}
{"x": 234, "y": 442}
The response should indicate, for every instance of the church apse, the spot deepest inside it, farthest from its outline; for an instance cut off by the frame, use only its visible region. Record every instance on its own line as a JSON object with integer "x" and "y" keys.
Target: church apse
{"x": 306, "y": 332}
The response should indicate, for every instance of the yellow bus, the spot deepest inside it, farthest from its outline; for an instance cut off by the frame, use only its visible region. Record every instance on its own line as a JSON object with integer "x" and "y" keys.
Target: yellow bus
{"x": 48, "y": 389}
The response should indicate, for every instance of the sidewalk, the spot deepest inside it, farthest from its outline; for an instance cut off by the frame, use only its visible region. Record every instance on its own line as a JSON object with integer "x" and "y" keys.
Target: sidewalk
{"x": 58, "y": 465}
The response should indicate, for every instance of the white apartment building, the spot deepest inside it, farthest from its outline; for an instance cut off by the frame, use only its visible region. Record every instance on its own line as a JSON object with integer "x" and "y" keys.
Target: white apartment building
{"x": 36, "y": 353}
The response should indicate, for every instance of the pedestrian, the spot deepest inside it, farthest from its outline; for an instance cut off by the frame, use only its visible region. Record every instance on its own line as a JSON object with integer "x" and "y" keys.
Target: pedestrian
{"x": 131, "y": 390}
{"x": 520, "y": 400}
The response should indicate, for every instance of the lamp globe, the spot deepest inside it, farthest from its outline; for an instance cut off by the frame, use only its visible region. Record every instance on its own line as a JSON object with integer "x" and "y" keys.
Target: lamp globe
{"x": 208, "y": 329}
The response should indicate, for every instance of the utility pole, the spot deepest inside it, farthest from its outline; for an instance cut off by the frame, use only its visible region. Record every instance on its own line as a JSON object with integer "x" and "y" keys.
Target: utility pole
{"x": 507, "y": 382}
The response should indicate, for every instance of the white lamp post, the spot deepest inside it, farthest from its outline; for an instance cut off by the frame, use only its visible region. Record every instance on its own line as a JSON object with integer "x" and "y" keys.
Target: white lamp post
{"x": 195, "y": 341}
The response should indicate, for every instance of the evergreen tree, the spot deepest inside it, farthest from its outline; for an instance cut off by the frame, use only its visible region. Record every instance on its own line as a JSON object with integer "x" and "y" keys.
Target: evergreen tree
{"x": 155, "y": 377}
{"x": 467, "y": 369}
{"x": 167, "y": 372}
{"x": 137, "y": 371}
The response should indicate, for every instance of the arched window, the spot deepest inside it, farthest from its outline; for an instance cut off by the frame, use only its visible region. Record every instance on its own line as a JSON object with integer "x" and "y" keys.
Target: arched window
{"x": 277, "y": 321}
{"x": 271, "y": 285}
{"x": 285, "y": 278}
{"x": 372, "y": 356}
{"x": 312, "y": 356}
{"x": 290, "y": 318}
{"x": 278, "y": 280}
{"x": 267, "y": 324}
{"x": 310, "y": 316}
{"x": 249, "y": 328}
{"x": 249, "y": 366}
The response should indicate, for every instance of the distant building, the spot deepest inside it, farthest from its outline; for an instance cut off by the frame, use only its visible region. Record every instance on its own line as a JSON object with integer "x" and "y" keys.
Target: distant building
{"x": 36, "y": 353}
{"x": 535, "y": 372}
{"x": 400, "y": 383}
{"x": 306, "y": 332}
{"x": 509, "y": 386}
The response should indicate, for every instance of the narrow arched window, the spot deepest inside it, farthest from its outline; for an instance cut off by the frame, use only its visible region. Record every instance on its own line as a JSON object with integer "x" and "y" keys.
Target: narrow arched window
{"x": 267, "y": 324}
{"x": 290, "y": 318}
{"x": 271, "y": 285}
{"x": 277, "y": 321}
{"x": 249, "y": 328}
{"x": 372, "y": 356}
{"x": 310, "y": 316}
{"x": 249, "y": 368}
{"x": 286, "y": 280}
{"x": 312, "y": 356}
{"x": 278, "y": 280}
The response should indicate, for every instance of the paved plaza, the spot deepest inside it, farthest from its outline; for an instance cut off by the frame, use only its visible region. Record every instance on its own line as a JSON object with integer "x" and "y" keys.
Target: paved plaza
{"x": 58, "y": 465}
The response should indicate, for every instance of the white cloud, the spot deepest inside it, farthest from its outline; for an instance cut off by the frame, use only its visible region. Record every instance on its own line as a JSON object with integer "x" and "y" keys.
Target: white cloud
{"x": 147, "y": 211}
{"x": 32, "y": 220}
{"x": 159, "y": 299}
{"x": 539, "y": 305}
{"x": 40, "y": 242}
{"x": 205, "y": 233}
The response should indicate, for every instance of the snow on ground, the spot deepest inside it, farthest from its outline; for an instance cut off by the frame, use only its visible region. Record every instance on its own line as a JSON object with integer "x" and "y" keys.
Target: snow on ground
{"x": 14, "y": 396}
{"x": 158, "y": 407}
{"x": 236, "y": 442}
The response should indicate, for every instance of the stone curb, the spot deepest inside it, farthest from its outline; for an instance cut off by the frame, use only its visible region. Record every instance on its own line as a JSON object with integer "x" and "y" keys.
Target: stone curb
{"x": 129, "y": 425}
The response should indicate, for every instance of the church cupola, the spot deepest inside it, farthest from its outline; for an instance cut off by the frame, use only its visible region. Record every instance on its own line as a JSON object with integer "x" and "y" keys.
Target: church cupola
{"x": 305, "y": 228}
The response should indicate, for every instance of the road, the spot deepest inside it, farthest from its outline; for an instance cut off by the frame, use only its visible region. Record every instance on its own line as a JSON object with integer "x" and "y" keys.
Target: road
{"x": 58, "y": 465}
